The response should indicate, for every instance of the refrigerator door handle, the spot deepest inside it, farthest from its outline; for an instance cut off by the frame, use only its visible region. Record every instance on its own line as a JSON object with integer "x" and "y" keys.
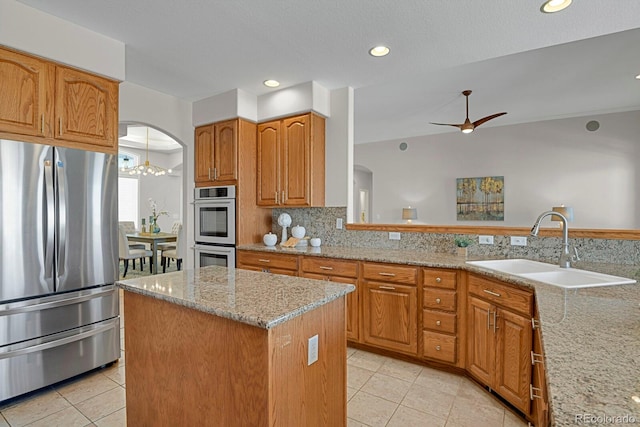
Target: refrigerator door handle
{"x": 62, "y": 217}
{"x": 50, "y": 219}
{"x": 31, "y": 305}
{"x": 77, "y": 337}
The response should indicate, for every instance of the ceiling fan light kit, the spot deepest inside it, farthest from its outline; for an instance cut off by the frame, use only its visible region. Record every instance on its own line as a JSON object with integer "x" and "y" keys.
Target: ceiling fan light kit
{"x": 468, "y": 126}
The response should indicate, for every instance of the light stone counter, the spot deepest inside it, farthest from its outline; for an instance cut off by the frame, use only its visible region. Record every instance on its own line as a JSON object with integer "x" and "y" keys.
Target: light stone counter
{"x": 258, "y": 299}
{"x": 591, "y": 336}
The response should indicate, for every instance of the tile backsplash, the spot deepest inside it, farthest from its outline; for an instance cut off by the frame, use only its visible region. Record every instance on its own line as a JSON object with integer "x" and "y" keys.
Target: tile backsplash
{"x": 321, "y": 222}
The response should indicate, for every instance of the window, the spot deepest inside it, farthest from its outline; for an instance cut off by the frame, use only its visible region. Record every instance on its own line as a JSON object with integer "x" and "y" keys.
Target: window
{"x": 128, "y": 190}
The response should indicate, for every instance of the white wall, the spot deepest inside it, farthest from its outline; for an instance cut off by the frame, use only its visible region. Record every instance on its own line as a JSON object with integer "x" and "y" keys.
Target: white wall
{"x": 173, "y": 117}
{"x": 30, "y": 30}
{"x": 339, "y": 148}
{"x": 544, "y": 164}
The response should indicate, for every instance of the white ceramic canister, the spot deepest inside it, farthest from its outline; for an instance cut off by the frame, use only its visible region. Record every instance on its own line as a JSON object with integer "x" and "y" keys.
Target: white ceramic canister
{"x": 315, "y": 242}
{"x": 270, "y": 239}
{"x": 298, "y": 232}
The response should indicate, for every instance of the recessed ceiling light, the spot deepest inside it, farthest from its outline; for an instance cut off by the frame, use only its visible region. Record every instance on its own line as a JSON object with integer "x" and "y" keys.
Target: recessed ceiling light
{"x": 638, "y": 77}
{"x": 271, "y": 83}
{"x": 551, "y": 6}
{"x": 379, "y": 51}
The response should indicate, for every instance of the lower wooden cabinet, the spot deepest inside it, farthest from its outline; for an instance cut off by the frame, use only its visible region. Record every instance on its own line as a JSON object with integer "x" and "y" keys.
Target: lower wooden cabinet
{"x": 341, "y": 271}
{"x": 539, "y": 394}
{"x": 390, "y": 307}
{"x": 439, "y": 315}
{"x": 268, "y": 263}
{"x": 499, "y": 342}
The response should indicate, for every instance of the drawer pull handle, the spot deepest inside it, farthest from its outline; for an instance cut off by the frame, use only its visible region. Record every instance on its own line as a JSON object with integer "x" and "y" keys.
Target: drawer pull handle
{"x": 495, "y": 294}
{"x": 437, "y": 300}
{"x": 264, "y": 260}
{"x": 532, "y": 392}
{"x": 438, "y": 280}
{"x": 387, "y": 274}
{"x": 322, "y": 267}
{"x": 437, "y": 348}
{"x": 536, "y": 358}
{"x": 391, "y": 288}
{"x": 535, "y": 323}
{"x": 438, "y": 323}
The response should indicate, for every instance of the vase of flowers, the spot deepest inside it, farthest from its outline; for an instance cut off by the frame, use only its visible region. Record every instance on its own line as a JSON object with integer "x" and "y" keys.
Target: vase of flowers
{"x": 155, "y": 214}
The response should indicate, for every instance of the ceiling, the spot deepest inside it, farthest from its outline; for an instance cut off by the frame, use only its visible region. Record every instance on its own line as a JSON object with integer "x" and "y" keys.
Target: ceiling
{"x": 138, "y": 135}
{"x": 535, "y": 66}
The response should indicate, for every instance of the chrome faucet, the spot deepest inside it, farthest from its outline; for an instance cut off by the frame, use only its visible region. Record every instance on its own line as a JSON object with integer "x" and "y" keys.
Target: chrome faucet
{"x": 565, "y": 257}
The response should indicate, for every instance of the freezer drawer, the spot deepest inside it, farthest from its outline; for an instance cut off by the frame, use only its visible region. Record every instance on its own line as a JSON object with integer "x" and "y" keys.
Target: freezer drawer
{"x": 34, "y": 318}
{"x": 30, "y": 365}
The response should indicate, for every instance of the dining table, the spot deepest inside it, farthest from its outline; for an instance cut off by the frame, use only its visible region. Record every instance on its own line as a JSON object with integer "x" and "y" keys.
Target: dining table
{"x": 153, "y": 239}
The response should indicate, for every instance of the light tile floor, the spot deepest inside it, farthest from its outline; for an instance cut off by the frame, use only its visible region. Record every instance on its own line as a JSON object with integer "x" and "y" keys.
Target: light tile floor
{"x": 381, "y": 391}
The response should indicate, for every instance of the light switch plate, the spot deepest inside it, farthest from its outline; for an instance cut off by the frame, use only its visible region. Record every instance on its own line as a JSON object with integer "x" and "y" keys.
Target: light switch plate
{"x": 518, "y": 241}
{"x": 485, "y": 240}
{"x": 394, "y": 235}
{"x": 339, "y": 223}
{"x": 312, "y": 350}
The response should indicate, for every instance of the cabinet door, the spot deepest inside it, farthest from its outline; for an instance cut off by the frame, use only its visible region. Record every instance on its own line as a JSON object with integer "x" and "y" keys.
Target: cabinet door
{"x": 86, "y": 108}
{"x": 204, "y": 154}
{"x": 513, "y": 358}
{"x": 352, "y": 301}
{"x": 26, "y": 104}
{"x": 296, "y": 158}
{"x": 226, "y": 151}
{"x": 268, "y": 190}
{"x": 390, "y": 316}
{"x": 480, "y": 339}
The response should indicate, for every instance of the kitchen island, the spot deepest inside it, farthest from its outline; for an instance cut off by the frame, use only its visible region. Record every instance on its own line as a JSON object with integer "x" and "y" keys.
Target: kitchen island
{"x": 590, "y": 336}
{"x": 218, "y": 346}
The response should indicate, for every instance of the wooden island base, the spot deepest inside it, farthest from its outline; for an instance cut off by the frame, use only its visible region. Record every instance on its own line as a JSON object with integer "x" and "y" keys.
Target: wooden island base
{"x": 190, "y": 368}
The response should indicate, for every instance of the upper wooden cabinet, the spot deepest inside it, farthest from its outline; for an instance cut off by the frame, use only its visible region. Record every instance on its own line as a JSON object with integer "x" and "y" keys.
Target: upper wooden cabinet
{"x": 216, "y": 148}
{"x": 39, "y": 98}
{"x": 291, "y": 162}
{"x": 25, "y": 94}
{"x": 86, "y": 108}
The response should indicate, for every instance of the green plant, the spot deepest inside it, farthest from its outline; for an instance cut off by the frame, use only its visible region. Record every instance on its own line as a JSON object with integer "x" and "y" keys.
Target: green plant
{"x": 462, "y": 241}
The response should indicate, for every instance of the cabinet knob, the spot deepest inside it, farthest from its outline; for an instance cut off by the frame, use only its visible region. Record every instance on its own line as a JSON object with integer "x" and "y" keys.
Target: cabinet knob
{"x": 438, "y": 280}
{"x": 437, "y": 348}
{"x": 437, "y": 300}
{"x": 438, "y": 323}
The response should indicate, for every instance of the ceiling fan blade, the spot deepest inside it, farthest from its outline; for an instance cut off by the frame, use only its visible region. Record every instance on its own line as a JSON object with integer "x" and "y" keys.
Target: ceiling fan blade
{"x": 486, "y": 119}
{"x": 447, "y": 124}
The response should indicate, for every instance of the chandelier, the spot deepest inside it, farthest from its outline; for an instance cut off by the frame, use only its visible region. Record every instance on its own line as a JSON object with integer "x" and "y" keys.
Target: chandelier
{"x": 143, "y": 169}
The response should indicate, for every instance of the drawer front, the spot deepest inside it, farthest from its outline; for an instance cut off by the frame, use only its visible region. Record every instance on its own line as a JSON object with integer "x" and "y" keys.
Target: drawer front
{"x": 439, "y": 346}
{"x": 267, "y": 260}
{"x": 390, "y": 273}
{"x": 445, "y": 279}
{"x": 440, "y": 299}
{"x": 504, "y": 295}
{"x": 439, "y": 321}
{"x": 331, "y": 267}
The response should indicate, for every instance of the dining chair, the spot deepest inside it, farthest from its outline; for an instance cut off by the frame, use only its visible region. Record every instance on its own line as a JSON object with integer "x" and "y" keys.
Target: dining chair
{"x": 126, "y": 253}
{"x": 170, "y": 245}
{"x": 176, "y": 253}
{"x": 129, "y": 228}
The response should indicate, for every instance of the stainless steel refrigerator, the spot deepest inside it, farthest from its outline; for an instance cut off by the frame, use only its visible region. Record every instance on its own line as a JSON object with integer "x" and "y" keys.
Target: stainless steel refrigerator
{"x": 59, "y": 309}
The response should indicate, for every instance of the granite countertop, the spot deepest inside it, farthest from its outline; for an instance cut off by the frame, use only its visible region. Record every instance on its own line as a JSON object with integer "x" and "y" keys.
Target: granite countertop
{"x": 257, "y": 299}
{"x": 591, "y": 336}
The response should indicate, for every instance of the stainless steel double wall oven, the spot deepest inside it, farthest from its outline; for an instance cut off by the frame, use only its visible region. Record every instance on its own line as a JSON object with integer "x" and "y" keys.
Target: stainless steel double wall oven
{"x": 215, "y": 225}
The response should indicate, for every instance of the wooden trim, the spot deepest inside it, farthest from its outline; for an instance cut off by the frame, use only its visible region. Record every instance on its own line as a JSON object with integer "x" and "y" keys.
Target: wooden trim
{"x": 584, "y": 233}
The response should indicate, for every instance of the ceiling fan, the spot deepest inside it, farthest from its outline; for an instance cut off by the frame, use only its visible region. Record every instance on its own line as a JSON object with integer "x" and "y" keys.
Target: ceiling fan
{"x": 467, "y": 126}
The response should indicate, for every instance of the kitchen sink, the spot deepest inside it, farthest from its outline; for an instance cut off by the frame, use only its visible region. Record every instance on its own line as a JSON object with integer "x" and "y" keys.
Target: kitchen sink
{"x": 515, "y": 266}
{"x": 552, "y": 274}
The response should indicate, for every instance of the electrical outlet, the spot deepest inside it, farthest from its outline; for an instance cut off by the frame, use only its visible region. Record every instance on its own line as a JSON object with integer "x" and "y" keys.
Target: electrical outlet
{"x": 394, "y": 235}
{"x": 485, "y": 240}
{"x": 518, "y": 241}
{"x": 312, "y": 350}
{"x": 339, "y": 223}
